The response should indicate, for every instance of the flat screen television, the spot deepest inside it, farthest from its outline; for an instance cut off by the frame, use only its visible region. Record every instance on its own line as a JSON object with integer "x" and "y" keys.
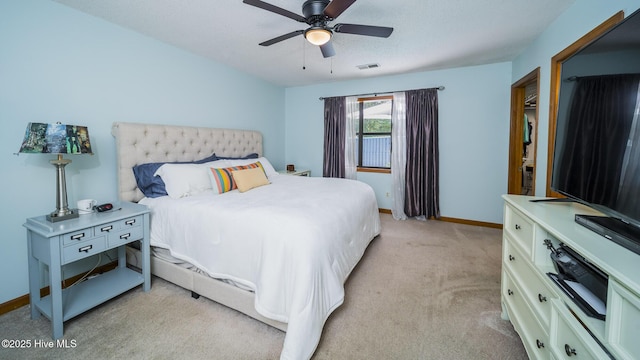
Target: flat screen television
{"x": 597, "y": 150}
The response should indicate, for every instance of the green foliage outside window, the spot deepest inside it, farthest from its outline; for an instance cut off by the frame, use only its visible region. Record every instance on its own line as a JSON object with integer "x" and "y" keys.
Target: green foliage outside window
{"x": 377, "y": 125}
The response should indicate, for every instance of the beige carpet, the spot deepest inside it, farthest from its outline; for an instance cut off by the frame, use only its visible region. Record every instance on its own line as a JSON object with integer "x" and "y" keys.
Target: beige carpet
{"x": 424, "y": 290}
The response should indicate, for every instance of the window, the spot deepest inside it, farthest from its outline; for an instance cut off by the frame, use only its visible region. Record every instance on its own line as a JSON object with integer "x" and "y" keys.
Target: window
{"x": 373, "y": 148}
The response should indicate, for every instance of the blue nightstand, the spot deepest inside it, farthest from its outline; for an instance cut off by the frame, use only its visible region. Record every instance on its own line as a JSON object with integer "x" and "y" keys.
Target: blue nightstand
{"x": 60, "y": 243}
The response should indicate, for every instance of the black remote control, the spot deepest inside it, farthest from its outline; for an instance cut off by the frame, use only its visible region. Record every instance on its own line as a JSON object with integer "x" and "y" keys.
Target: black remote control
{"x": 104, "y": 207}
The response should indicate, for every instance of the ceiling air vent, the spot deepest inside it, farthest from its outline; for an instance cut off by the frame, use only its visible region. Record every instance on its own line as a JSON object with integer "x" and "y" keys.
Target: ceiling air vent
{"x": 368, "y": 66}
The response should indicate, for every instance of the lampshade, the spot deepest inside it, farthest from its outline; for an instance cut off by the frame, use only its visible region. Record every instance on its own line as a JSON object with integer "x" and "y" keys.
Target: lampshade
{"x": 57, "y": 139}
{"x": 317, "y": 36}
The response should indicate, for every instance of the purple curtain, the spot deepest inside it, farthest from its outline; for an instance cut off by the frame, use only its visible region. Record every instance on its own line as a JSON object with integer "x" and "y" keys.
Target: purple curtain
{"x": 335, "y": 124}
{"x": 421, "y": 175}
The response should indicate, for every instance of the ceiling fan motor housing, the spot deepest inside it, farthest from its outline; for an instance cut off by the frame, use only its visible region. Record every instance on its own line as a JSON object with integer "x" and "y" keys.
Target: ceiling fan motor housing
{"x": 313, "y": 10}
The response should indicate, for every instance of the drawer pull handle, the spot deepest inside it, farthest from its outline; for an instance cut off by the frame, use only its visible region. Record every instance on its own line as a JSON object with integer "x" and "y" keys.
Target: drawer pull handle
{"x": 518, "y": 227}
{"x": 130, "y": 222}
{"x": 77, "y": 236}
{"x": 85, "y": 248}
{"x": 569, "y": 350}
{"x": 107, "y": 228}
{"x": 539, "y": 344}
{"x": 509, "y": 292}
{"x": 511, "y": 258}
{"x": 542, "y": 298}
{"x": 125, "y": 236}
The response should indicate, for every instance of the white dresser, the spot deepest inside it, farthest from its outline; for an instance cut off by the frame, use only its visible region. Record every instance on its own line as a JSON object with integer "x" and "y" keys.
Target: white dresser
{"x": 550, "y": 324}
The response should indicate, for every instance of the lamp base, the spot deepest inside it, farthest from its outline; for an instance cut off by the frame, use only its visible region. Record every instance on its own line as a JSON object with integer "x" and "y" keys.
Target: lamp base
{"x": 56, "y": 216}
{"x": 62, "y": 210}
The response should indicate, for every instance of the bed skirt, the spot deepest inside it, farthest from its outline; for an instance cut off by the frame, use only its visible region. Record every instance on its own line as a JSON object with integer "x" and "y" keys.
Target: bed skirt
{"x": 201, "y": 284}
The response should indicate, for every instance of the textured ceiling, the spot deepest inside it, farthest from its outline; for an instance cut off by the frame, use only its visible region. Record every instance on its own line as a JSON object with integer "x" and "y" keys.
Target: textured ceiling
{"x": 428, "y": 34}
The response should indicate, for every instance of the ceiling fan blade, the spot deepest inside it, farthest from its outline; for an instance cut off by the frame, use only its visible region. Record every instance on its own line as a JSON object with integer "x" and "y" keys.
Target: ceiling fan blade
{"x": 274, "y": 9}
{"x": 368, "y": 30}
{"x": 336, "y": 7}
{"x": 281, "y": 38}
{"x": 327, "y": 49}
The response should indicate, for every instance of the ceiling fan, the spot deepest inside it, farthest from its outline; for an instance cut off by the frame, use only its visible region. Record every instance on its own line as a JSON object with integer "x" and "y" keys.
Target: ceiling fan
{"x": 317, "y": 14}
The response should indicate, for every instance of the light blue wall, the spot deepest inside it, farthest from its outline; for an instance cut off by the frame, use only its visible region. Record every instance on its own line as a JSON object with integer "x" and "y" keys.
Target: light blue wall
{"x": 58, "y": 64}
{"x": 582, "y": 17}
{"x": 473, "y": 133}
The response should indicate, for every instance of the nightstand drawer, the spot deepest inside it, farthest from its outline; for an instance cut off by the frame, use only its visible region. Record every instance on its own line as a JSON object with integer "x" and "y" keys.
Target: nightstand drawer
{"x": 77, "y": 236}
{"x": 124, "y": 236}
{"x": 83, "y": 249}
{"x": 114, "y": 226}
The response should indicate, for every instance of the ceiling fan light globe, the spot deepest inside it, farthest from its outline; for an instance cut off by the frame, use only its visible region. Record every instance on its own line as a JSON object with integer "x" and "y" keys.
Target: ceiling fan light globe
{"x": 317, "y": 36}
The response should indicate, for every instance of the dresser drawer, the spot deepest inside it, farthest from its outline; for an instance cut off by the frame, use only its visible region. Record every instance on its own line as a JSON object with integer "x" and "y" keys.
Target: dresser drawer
{"x": 623, "y": 321}
{"x": 77, "y": 236}
{"x": 569, "y": 340}
{"x": 124, "y": 236}
{"x": 535, "y": 292}
{"x": 519, "y": 227}
{"x": 534, "y": 338}
{"x": 83, "y": 249}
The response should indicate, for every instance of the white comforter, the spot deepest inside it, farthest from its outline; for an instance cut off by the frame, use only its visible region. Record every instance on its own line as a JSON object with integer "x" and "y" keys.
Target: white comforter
{"x": 294, "y": 242}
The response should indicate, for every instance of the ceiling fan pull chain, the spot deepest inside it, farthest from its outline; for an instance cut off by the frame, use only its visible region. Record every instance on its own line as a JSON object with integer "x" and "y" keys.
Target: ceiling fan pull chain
{"x": 304, "y": 57}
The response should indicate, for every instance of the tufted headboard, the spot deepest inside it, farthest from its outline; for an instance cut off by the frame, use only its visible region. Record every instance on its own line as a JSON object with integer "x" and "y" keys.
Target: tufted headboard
{"x": 145, "y": 143}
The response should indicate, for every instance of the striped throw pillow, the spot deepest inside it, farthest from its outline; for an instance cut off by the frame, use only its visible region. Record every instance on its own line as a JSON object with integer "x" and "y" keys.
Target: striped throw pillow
{"x": 222, "y": 180}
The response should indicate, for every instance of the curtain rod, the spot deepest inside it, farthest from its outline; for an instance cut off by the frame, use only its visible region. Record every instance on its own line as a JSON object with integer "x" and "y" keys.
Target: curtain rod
{"x": 385, "y": 92}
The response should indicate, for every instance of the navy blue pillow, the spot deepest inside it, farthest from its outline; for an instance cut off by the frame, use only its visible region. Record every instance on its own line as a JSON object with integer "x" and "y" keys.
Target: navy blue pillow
{"x": 250, "y": 156}
{"x": 153, "y": 186}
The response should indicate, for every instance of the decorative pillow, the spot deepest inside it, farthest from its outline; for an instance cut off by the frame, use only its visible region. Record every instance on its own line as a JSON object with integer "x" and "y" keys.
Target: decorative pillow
{"x": 152, "y": 185}
{"x": 187, "y": 179}
{"x": 266, "y": 165}
{"x": 248, "y": 179}
{"x": 222, "y": 180}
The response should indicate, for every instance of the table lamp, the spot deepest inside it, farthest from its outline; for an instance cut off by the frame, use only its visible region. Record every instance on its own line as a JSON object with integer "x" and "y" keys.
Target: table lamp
{"x": 57, "y": 139}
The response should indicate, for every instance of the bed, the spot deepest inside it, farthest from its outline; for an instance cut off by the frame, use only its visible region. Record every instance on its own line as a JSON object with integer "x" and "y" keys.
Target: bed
{"x": 293, "y": 241}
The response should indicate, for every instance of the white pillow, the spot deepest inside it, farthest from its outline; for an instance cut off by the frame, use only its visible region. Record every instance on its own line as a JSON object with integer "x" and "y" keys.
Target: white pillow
{"x": 268, "y": 168}
{"x": 187, "y": 179}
